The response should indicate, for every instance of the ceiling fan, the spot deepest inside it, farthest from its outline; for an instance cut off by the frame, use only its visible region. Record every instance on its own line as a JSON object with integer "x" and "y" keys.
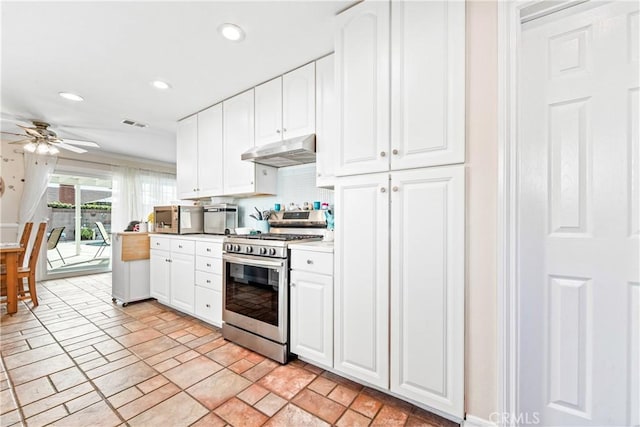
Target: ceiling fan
{"x": 42, "y": 140}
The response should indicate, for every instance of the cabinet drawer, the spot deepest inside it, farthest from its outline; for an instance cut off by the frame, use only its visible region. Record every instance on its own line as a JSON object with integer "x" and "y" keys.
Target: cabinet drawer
{"x": 210, "y": 249}
{"x": 209, "y": 305}
{"x": 161, "y": 243}
{"x": 209, "y": 280}
{"x": 209, "y": 265}
{"x": 314, "y": 262}
{"x": 183, "y": 246}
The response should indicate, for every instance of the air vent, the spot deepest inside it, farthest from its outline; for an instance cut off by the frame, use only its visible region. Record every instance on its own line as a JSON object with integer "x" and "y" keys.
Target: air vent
{"x": 133, "y": 123}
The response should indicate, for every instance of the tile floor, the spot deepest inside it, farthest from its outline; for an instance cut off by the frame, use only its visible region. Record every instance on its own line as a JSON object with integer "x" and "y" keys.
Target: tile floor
{"x": 79, "y": 360}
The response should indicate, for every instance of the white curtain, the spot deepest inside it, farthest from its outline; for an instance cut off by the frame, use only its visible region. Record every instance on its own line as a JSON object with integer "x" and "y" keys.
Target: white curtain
{"x": 136, "y": 192}
{"x": 37, "y": 174}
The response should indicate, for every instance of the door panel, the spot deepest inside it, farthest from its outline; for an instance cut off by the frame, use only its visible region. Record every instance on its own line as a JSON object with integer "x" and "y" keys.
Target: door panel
{"x": 427, "y": 83}
{"x": 268, "y": 116}
{"x": 210, "y": 151}
{"x": 427, "y": 295}
{"x": 160, "y": 274}
{"x": 183, "y": 282}
{"x": 187, "y": 158}
{"x": 299, "y": 101}
{"x": 239, "y": 175}
{"x": 362, "y": 77}
{"x": 326, "y": 126}
{"x": 577, "y": 217}
{"x": 362, "y": 279}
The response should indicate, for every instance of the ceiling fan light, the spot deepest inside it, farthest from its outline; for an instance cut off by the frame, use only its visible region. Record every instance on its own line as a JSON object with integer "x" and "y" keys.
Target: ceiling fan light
{"x": 30, "y": 147}
{"x": 231, "y": 32}
{"x": 159, "y": 84}
{"x": 42, "y": 148}
{"x": 71, "y": 96}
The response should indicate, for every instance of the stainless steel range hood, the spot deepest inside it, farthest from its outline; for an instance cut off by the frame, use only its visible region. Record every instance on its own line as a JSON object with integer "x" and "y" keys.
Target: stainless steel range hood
{"x": 290, "y": 152}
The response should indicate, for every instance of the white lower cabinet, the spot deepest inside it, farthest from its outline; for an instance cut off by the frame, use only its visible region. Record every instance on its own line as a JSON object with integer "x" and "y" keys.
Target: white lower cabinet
{"x": 401, "y": 305}
{"x": 311, "y": 294}
{"x": 186, "y": 275}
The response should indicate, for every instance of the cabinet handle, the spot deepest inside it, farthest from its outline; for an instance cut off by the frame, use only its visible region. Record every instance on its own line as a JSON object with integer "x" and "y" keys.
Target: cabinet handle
{"x": 293, "y": 285}
{"x": 383, "y": 153}
{"x": 251, "y": 182}
{"x": 157, "y": 243}
{"x": 208, "y": 281}
{"x": 395, "y": 151}
{"x": 208, "y": 305}
{"x": 208, "y": 265}
{"x": 208, "y": 249}
{"x": 319, "y": 174}
{"x": 383, "y": 190}
{"x": 309, "y": 261}
{"x": 180, "y": 246}
{"x": 277, "y": 130}
{"x": 284, "y": 129}
{"x": 395, "y": 188}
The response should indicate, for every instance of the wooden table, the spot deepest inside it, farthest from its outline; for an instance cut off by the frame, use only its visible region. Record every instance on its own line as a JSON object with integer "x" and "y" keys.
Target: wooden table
{"x": 9, "y": 253}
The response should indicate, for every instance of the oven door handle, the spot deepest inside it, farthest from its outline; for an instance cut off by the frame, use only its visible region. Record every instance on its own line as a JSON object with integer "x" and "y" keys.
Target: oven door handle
{"x": 252, "y": 261}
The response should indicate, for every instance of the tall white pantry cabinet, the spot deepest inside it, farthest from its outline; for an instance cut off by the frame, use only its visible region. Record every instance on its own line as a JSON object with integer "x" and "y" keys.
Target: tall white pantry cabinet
{"x": 400, "y": 191}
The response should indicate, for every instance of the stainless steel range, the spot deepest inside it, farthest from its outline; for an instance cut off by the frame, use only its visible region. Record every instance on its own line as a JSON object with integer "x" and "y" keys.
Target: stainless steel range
{"x": 256, "y": 283}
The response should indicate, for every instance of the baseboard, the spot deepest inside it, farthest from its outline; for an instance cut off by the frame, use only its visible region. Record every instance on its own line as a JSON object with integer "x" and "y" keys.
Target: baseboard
{"x": 473, "y": 421}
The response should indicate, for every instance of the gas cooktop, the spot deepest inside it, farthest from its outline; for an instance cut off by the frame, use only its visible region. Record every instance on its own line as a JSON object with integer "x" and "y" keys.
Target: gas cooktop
{"x": 272, "y": 245}
{"x": 283, "y": 237}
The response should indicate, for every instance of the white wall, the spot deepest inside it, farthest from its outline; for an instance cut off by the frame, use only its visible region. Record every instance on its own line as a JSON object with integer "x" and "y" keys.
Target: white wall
{"x": 481, "y": 363}
{"x": 12, "y": 172}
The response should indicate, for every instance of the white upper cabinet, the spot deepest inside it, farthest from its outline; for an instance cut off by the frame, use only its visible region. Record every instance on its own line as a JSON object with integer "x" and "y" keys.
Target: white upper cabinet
{"x": 427, "y": 83}
{"x": 199, "y": 155}
{"x": 299, "y": 102}
{"x": 210, "y": 162}
{"x": 326, "y": 121}
{"x": 268, "y": 115}
{"x": 187, "y": 158}
{"x": 413, "y": 116}
{"x": 242, "y": 177}
{"x": 362, "y": 73}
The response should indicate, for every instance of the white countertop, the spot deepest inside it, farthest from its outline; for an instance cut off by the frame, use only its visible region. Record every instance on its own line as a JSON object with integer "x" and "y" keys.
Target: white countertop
{"x": 212, "y": 237}
{"x": 320, "y": 246}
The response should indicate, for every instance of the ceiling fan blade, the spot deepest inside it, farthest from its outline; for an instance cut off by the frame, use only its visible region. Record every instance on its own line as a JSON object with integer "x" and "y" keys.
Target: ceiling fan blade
{"x": 22, "y": 141}
{"x": 79, "y": 142}
{"x": 32, "y": 132}
{"x": 69, "y": 147}
{"x": 12, "y": 133}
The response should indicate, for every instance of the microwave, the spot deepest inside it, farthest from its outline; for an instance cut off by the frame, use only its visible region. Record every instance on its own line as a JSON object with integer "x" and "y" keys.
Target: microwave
{"x": 176, "y": 219}
{"x": 220, "y": 219}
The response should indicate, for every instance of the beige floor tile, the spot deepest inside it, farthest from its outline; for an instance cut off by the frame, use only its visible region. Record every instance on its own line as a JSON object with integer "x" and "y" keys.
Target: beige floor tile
{"x": 218, "y": 388}
{"x": 319, "y": 405}
{"x": 291, "y": 415}
{"x": 47, "y": 417}
{"x": 121, "y": 379}
{"x": 270, "y": 404}
{"x": 125, "y": 396}
{"x": 82, "y": 402}
{"x": 253, "y": 394}
{"x": 147, "y": 401}
{"x": 56, "y": 400}
{"x": 237, "y": 413}
{"x": 34, "y": 390}
{"x": 192, "y": 371}
{"x": 138, "y": 337}
{"x": 13, "y": 417}
{"x": 30, "y": 356}
{"x": 210, "y": 420}
{"x": 96, "y": 415}
{"x": 111, "y": 366}
{"x": 181, "y": 409}
{"x": 39, "y": 369}
{"x": 153, "y": 347}
{"x": 7, "y": 402}
{"x": 152, "y": 384}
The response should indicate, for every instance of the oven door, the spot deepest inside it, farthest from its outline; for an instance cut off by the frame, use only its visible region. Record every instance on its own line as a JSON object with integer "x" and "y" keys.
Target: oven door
{"x": 255, "y": 295}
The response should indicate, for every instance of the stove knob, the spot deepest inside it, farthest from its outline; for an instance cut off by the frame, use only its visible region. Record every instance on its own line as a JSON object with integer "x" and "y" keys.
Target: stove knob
{"x": 236, "y": 248}
{"x": 229, "y": 247}
{"x": 263, "y": 251}
{"x": 248, "y": 249}
{"x": 272, "y": 251}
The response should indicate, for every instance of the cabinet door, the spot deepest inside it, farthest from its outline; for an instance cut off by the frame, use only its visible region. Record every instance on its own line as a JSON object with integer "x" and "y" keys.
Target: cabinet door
{"x": 239, "y": 175}
{"x": 210, "y": 161}
{"x": 427, "y": 287}
{"x": 268, "y": 117}
{"x": 362, "y": 278}
{"x": 326, "y": 121}
{"x": 208, "y": 305}
{"x": 312, "y": 316}
{"x": 428, "y": 83}
{"x": 183, "y": 282}
{"x": 299, "y": 102}
{"x": 362, "y": 82}
{"x": 187, "y": 158}
{"x": 159, "y": 275}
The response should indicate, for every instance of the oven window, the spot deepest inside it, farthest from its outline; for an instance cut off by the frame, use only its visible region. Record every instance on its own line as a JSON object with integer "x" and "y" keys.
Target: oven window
{"x": 253, "y": 292}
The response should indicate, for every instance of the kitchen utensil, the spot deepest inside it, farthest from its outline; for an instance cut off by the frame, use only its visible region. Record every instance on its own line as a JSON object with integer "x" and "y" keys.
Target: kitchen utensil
{"x": 254, "y": 217}
{"x": 316, "y": 205}
{"x": 259, "y": 214}
{"x": 266, "y": 215}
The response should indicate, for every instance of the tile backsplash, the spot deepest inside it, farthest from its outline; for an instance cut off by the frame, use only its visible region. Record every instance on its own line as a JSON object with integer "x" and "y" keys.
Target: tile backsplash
{"x": 296, "y": 184}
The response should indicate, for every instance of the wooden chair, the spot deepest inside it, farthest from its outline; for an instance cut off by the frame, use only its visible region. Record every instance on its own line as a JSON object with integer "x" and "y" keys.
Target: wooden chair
{"x": 24, "y": 241}
{"x": 29, "y": 272}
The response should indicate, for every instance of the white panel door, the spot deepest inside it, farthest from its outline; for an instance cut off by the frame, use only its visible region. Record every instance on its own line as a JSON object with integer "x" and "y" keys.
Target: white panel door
{"x": 427, "y": 83}
{"x": 299, "y": 102}
{"x": 312, "y": 316}
{"x": 238, "y": 126}
{"x": 187, "y": 158}
{"x": 159, "y": 275}
{"x": 362, "y": 83}
{"x": 578, "y": 217}
{"x": 326, "y": 121}
{"x": 183, "y": 282}
{"x": 427, "y": 287}
{"x": 362, "y": 278}
{"x": 210, "y": 161}
{"x": 268, "y": 116}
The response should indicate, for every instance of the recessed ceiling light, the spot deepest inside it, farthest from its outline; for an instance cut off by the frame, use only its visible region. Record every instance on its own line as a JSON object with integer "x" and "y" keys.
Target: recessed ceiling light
{"x": 71, "y": 96}
{"x": 231, "y": 32}
{"x": 159, "y": 84}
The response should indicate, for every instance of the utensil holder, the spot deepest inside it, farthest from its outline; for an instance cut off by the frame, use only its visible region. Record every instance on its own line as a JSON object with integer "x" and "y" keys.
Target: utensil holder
{"x": 262, "y": 226}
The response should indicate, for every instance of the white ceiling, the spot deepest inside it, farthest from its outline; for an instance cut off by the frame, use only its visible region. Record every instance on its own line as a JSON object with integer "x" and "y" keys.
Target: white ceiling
{"x": 109, "y": 52}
